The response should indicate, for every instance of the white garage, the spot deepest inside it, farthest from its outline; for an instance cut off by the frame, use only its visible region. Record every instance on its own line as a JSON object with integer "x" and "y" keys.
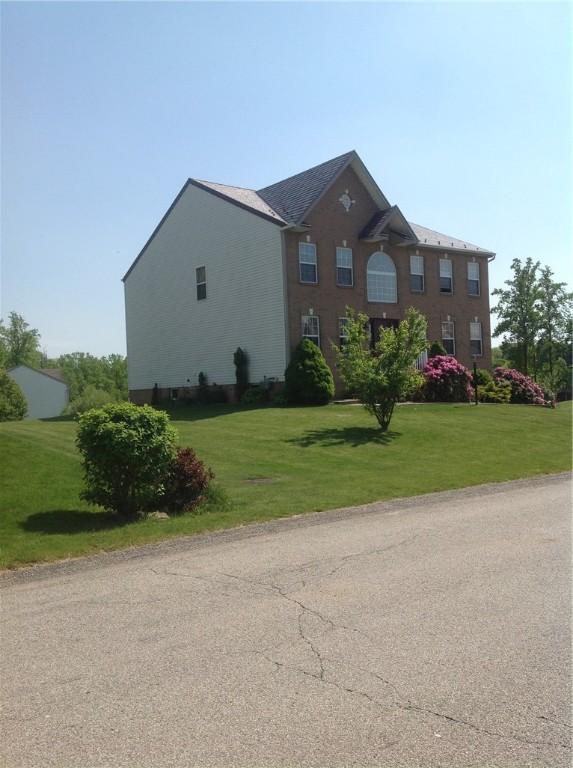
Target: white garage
{"x": 45, "y": 391}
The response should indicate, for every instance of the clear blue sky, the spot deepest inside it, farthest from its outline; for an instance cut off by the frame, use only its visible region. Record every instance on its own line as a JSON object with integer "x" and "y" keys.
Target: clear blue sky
{"x": 462, "y": 113}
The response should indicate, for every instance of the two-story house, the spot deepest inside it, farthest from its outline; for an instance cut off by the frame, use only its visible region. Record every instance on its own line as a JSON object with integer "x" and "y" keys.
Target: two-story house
{"x": 229, "y": 267}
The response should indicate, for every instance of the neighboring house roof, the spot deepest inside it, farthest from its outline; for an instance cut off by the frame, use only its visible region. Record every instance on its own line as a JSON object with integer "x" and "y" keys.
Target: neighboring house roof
{"x": 52, "y": 373}
{"x": 438, "y": 240}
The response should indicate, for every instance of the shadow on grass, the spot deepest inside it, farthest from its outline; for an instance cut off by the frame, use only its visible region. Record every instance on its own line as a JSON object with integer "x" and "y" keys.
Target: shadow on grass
{"x": 58, "y": 521}
{"x": 353, "y": 436}
{"x": 200, "y": 412}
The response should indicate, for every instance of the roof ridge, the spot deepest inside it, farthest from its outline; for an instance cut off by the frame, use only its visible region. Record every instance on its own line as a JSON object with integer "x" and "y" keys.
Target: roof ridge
{"x": 307, "y": 170}
{"x": 221, "y": 184}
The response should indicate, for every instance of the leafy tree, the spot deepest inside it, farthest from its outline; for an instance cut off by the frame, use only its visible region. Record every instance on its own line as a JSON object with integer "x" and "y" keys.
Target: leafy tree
{"x": 308, "y": 379}
{"x": 555, "y": 305}
{"x": 518, "y": 310}
{"x": 105, "y": 374}
{"x": 127, "y": 452}
{"x": 380, "y": 378}
{"x": 13, "y": 404}
{"x": 19, "y": 344}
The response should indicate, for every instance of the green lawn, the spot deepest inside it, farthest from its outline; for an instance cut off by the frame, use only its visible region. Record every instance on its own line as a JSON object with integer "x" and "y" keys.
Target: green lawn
{"x": 272, "y": 462}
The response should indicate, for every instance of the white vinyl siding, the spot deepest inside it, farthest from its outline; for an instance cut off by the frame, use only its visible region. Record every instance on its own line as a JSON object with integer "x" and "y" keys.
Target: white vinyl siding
{"x": 344, "y": 267}
{"x": 448, "y": 337}
{"x": 311, "y": 328}
{"x": 446, "y": 276}
{"x": 381, "y": 279}
{"x": 473, "y": 278}
{"x": 307, "y": 263}
{"x": 476, "y": 339}
{"x": 416, "y": 273}
{"x": 171, "y": 336}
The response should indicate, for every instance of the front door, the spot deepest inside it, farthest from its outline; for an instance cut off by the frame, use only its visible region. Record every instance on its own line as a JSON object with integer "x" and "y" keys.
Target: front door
{"x": 380, "y": 322}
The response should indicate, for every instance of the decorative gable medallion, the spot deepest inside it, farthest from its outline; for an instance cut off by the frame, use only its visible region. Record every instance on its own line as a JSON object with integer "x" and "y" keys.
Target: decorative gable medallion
{"x": 346, "y": 201}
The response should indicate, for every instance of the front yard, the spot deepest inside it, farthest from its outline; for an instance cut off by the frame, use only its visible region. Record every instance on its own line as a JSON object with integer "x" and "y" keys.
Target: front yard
{"x": 273, "y": 462}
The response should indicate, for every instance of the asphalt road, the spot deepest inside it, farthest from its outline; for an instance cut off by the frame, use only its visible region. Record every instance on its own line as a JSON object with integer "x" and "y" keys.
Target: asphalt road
{"x": 429, "y": 632}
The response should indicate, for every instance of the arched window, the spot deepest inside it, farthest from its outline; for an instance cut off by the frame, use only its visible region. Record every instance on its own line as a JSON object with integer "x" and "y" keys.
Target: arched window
{"x": 381, "y": 279}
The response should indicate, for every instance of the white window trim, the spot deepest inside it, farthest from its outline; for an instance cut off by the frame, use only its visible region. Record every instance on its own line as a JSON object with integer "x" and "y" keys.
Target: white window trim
{"x": 351, "y": 267}
{"x": 422, "y": 274}
{"x": 342, "y": 323}
{"x": 479, "y": 338}
{"x": 308, "y": 336}
{"x": 451, "y": 338}
{"x": 199, "y": 283}
{"x": 474, "y": 279}
{"x": 302, "y": 260}
{"x": 393, "y": 275}
{"x": 450, "y": 276}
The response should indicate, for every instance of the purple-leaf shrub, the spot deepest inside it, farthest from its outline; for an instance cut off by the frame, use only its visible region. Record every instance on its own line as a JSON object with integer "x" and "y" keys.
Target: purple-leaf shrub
{"x": 523, "y": 389}
{"x": 447, "y": 380}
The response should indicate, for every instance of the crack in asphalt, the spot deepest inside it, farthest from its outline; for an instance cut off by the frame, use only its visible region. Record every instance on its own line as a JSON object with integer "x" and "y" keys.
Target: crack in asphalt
{"x": 320, "y": 676}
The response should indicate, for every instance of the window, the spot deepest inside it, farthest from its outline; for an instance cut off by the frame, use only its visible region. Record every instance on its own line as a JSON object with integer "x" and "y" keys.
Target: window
{"x": 201, "y": 283}
{"x": 473, "y": 278}
{"x": 448, "y": 337}
{"x": 446, "y": 280}
{"x": 342, "y": 331}
{"x": 416, "y": 273}
{"x": 344, "y": 272}
{"x": 307, "y": 263}
{"x": 381, "y": 279}
{"x": 475, "y": 339}
{"x": 175, "y": 394}
{"x": 311, "y": 328}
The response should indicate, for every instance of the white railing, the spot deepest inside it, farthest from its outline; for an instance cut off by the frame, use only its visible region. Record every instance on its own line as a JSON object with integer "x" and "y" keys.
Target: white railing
{"x": 421, "y": 360}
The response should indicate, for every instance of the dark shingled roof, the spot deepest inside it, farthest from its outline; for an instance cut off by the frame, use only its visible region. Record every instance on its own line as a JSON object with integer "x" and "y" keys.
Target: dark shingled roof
{"x": 293, "y": 197}
{"x": 383, "y": 219}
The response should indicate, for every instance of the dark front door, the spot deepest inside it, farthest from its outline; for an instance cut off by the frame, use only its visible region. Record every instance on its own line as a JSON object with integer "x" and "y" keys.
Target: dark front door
{"x": 380, "y": 322}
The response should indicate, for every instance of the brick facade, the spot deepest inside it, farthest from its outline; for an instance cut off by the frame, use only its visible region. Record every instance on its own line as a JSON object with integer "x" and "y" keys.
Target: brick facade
{"x": 331, "y": 227}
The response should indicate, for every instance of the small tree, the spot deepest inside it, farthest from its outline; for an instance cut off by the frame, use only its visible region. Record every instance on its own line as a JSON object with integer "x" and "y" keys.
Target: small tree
{"x": 13, "y": 404}
{"x": 241, "y": 361}
{"x": 380, "y": 378}
{"x": 127, "y": 451}
{"x": 308, "y": 379}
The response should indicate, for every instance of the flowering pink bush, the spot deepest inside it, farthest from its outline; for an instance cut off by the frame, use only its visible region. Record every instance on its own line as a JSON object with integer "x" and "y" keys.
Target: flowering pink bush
{"x": 446, "y": 380}
{"x": 523, "y": 389}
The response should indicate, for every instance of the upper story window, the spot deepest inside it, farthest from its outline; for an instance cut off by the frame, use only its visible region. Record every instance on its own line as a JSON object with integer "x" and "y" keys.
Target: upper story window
{"x": 473, "y": 278}
{"x": 476, "y": 345}
{"x": 344, "y": 270}
{"x": 381, "y": 279}
{"x": 448, "y": 337}
{"x": 201, "y": 278}
{"x": 416, "y": 273}
{"x": 446, "y": 276}
{"x": 311, "y": 328}
{"x": 342, "y": 330}
{"x": 307, "y": 266}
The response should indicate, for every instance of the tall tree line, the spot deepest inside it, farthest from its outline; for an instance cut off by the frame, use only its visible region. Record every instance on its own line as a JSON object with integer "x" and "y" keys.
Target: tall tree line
{"x": 535, "y": 312}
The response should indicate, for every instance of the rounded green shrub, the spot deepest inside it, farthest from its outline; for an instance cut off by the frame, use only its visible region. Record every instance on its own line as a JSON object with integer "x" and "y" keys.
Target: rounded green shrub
{"x": 436, "y": 348}
{"x": 127, "y": 451}
{"x": 308, "y": 379}
{"x": 13, "y": 404}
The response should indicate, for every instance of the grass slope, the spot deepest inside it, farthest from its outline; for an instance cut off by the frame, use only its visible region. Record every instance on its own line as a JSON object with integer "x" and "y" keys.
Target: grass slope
{"x": 274, "y": 462}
